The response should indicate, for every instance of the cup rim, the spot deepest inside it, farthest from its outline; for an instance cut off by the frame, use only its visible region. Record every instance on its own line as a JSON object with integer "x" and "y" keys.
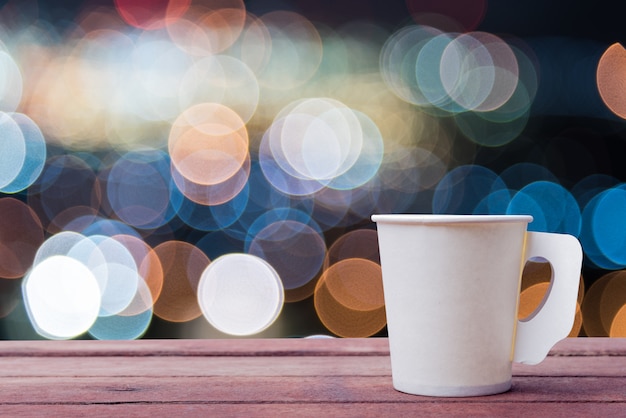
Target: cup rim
{"x": 410, "y": 218}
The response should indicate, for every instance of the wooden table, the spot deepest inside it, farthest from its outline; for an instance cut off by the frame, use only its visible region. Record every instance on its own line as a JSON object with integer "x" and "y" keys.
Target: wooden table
{"x": 297, "y": 377}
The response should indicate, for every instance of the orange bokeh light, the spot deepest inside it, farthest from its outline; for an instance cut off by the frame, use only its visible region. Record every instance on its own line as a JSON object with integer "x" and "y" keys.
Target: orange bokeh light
{"x": 151, "y": 14}
{"x": 611, "y": 79}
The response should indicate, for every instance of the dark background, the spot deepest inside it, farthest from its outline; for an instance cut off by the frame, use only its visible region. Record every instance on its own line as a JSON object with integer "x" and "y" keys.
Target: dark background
{"x": 570, "y": 131}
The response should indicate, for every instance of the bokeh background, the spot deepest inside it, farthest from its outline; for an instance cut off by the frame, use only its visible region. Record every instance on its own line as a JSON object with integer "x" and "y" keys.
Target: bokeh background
{"x": 208, "y": 168}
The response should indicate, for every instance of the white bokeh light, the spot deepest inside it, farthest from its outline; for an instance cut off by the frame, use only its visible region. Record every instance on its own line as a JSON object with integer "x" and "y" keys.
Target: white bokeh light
{"x": 240, "y": 294}
{"x": 62, "y": 297}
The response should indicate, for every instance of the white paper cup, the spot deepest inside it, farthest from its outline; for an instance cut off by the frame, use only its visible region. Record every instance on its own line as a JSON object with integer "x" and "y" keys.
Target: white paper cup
{"x": 451, "y": 286}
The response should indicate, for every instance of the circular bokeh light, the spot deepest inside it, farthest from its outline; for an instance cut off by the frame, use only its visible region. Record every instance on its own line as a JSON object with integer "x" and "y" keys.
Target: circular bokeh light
{"x": 240, "y": 294}
{"x": 349, "y": 298}
{"x": 183, "y": 265}
{"x": 62, "y": 297}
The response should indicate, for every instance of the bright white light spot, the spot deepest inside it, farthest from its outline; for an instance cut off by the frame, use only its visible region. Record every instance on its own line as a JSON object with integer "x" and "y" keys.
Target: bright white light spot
{"x": 240, "y": 294}
{"x": 62, "y": 297}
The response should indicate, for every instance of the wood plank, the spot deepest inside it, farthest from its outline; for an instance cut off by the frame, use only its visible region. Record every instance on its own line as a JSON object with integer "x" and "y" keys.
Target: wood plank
{"x": 583, "y": 346}
{"x": 271, "y": 366}
{"x": 434, "y": 409}
{"x": 304, "y": 389}
{"x": 193, "y": 366}
{"x": 345, "y": 377}
{"x": 207, "y": 347}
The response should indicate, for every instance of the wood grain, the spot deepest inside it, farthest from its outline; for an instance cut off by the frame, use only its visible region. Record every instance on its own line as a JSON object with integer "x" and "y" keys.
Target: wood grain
{"x": 299, "y": 377}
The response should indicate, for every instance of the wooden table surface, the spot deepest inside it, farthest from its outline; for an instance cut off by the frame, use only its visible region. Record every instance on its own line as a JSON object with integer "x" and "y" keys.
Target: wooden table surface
{"x": 298, "y": 377}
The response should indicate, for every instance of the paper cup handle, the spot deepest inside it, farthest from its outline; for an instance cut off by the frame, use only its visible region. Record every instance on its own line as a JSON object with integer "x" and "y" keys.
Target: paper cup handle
{"x": 553, "y": 320}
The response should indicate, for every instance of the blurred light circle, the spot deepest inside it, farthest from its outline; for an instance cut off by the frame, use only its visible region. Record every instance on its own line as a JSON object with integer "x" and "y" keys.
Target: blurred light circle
{"x": 240, "y": 294}
{"x": 62, "y": 297}
{"x": 140, "y": 189}
{"x": 355, "y": 283}
{"x": 12, "y": 150}
{"x": 467, "y": 71}
{"x": 208, "y": 143}
{"x": 398, "y": 62}
{"x": 490, "y": 64}
{"x": 278, "y": 173}
{"x": 610, "y": 79}
{"x": 349, "y": 300}
{"x": 594, "y": 250}
{"x": 183, "y": 264}
{"x": 21, "y": 234}
{"x": 319, "y": 139}
{"x": 151, "y": 15}
{"x": 609, "y": 225}
{"x": 602, "y": 304}
{"x": 35, "y": 154}
{"x": 553, "y": 203}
